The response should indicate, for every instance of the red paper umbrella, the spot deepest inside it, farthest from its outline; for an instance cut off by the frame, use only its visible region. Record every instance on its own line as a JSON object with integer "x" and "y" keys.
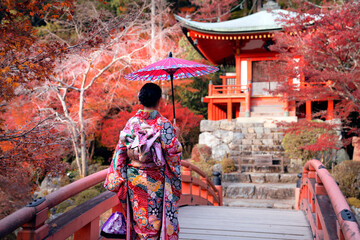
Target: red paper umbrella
{"x": 171, "y": 68}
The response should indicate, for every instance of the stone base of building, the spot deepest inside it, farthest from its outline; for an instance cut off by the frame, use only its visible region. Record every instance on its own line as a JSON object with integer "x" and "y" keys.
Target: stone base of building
{"x": 243, "y": 136}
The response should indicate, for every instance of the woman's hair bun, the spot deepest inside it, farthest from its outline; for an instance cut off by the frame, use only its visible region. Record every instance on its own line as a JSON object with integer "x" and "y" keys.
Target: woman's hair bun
{"x": 150, "y": 94}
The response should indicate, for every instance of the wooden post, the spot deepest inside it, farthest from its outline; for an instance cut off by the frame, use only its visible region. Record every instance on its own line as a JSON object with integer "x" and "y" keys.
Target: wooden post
{"x": 211, "y": 110}
{"x": 308, "y": 110}
{"x": 247, "y": 100}
{"x": 229, "y": 110}
{"x": 238, "y": 67}
{"x": 330, "y": 110}
{"x": 89, "y": 231}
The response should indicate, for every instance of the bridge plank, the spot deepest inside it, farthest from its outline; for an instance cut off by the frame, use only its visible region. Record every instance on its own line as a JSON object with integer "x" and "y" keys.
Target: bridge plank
{"x": 208, "y": 222}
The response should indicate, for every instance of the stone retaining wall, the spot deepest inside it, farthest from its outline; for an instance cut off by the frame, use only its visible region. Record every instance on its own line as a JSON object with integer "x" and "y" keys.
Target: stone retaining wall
{"x": 243, "y": 136}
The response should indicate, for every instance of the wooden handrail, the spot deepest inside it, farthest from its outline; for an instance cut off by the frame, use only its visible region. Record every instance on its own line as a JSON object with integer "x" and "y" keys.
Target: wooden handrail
{"x": 227, "y": 90}
{"x": 198, "y": 191}
{"x": 329, "y": 215}
{"x": 83, "y": 220}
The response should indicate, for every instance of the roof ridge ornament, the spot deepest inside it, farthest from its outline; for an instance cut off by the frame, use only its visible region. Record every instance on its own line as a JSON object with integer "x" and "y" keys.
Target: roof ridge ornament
{"x": 270, "y": 5}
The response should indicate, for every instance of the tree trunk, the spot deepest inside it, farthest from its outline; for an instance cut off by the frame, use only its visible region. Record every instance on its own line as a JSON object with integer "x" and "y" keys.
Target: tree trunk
{"x": 82, "y": 132}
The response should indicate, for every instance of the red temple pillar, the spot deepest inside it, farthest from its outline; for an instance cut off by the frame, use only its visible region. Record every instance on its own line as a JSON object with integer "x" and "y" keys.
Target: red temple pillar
{"x": 238, "y": 67}
{"x": 330, "y": 110}
{"x": 211, "y": 110}
{"x": 247, "y": 100}
{"x": 229, "y": 110}
{"x": 308, "y": 110}
{"x": 286, "y": 106}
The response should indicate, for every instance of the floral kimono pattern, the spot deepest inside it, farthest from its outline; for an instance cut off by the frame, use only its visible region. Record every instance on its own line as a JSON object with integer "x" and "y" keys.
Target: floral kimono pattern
{"x": 153, "y": 180}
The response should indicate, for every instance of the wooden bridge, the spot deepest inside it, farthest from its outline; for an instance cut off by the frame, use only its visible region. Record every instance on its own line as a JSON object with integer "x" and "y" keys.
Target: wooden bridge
{"x": 324, "y": 212}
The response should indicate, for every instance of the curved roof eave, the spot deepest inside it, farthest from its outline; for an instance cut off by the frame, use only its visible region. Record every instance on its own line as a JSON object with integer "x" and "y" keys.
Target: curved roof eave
{"x": 258, "y": 22}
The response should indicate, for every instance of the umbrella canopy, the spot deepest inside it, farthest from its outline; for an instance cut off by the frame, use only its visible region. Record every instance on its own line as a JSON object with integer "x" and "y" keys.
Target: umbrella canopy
{"x": 171, "y": 68}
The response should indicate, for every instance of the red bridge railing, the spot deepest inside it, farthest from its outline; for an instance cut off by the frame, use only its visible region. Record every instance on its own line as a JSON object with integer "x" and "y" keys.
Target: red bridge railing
{"x": 326, "y": 209}
{"x": 83, "y": 220}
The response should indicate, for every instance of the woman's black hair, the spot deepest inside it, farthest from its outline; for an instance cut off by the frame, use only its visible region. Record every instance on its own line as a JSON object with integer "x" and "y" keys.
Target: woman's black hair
{"x": 150, "y": 95}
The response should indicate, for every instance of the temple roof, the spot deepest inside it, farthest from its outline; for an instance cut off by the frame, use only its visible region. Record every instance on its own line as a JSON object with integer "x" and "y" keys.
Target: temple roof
{"x": 257, "y": 22}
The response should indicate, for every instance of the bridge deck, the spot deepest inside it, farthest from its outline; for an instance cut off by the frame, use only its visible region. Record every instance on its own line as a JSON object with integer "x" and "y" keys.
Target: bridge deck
{"x": 208, "y": 222}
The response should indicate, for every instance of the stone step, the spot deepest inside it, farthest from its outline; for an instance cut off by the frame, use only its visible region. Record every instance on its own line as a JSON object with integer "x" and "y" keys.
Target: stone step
{"x": 260, "y": 203}
{"x": 253, "y": 177}
{"x": 259, "y": 190}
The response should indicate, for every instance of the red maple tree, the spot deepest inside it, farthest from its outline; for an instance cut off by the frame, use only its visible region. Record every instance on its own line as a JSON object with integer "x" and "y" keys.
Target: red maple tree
{"x": 320, "y": 46}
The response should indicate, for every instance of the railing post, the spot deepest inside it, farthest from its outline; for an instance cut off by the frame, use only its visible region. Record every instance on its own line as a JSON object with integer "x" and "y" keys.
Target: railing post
{"x": 308, "y": 110}
{"x": 203, "y": 192}
{"x": 211, "y": 87}
{"x": 247, "y": 100}
{"x": 186, "y": 187}
{"x": 36, "y": 229}
{"x": 297, "y": 192}
{"x": 89, "y": 231}
{"x": 217, "y": 183}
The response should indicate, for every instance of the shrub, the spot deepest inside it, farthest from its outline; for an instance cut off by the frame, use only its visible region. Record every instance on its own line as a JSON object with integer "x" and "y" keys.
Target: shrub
{"x": 63, "y": 206}
{"x": 205, "y": 166}
{"x": 69, "y": 208}
{"x": 348, "y": 177}
{"x": 355, "y": 202}
{"x": 201, "y": 152}
{"x": 228, "y": 165}
{"x": 306, "y": 140}
{"x": 86, "y": 195}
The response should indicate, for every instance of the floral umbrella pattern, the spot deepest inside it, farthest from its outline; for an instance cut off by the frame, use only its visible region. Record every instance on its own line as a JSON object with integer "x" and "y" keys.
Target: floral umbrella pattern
{"x": 179, "y": 68}
{"x": 171, "y": 68}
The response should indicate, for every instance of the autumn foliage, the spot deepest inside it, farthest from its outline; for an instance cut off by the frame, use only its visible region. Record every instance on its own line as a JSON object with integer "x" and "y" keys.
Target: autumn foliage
{"x": 319, "y": 52}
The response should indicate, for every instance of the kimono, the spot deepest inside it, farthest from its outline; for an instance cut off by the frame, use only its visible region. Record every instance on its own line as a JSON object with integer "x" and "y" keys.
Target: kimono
{"x": 148, "y": 157}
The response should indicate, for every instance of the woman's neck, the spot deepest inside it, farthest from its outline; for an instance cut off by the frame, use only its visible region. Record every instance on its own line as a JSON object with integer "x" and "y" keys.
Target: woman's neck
{"x": 149, "y": 109}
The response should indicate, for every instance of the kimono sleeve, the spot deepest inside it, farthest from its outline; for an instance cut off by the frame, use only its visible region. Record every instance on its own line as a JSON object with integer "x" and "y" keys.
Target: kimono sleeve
{"x": 172, "y": 153}
{"x": 117, "y": 171}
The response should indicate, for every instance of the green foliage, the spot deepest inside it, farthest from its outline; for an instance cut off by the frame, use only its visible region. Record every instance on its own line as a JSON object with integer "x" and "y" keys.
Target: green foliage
{"x": 63, "y": 206}
{"x": 205, "y": 166}
{"x": 354, "y": 202}
{"x": 305, "y": 141}
{"x": 69, "y": 208}
{"x": 189, "y": 51}
{"x": 348, "y": 177}
{"x": 86, "y": 195}
{"x": 228, "y": 165}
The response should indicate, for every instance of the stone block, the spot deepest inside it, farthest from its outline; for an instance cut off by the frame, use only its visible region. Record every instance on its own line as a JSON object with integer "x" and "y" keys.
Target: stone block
{"x": 250, "y": 136}
{"x": 220, "y": 151}
{"x": 224, "y": 136}
{"x": 255, "y": 147}
{"x": 237, "y": 137}
{"x": 288, "y": 178}
{"x": 246, "y": 147}
{"x": 240, "y": 190}
{"x": 267, "y": 130}
{"x": 208, "y": 139}
{"x": 259, "y": 135}
{"x": 278, "y": 136}
{"x": 275, "y": 191}
{"x": 247, "y": 142}
{"x": 272, "y": 177}
{"x": 259, "y": 130}
{"x": 257, "y": 142}
{"x": 226, "y": 125}
{"x": 257, "y": 177}
{"x": 269, "y": 124}
{"x": 251, "y": 130}
{"x": 244, "y": 130}
{"x": 248, "y": 125}
{"x": 268, "y": 136}
{"x": 268, "y": 142}
{"x": 234, "y": 147}
{"x": 209, "y": 125}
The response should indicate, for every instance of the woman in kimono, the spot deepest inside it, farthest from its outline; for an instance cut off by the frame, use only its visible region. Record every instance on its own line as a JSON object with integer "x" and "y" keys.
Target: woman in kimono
{"x": 148, "y": 157}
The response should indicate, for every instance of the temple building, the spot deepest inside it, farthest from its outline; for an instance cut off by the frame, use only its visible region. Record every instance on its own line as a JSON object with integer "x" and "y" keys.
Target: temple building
{"x": 244, "y": 43}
